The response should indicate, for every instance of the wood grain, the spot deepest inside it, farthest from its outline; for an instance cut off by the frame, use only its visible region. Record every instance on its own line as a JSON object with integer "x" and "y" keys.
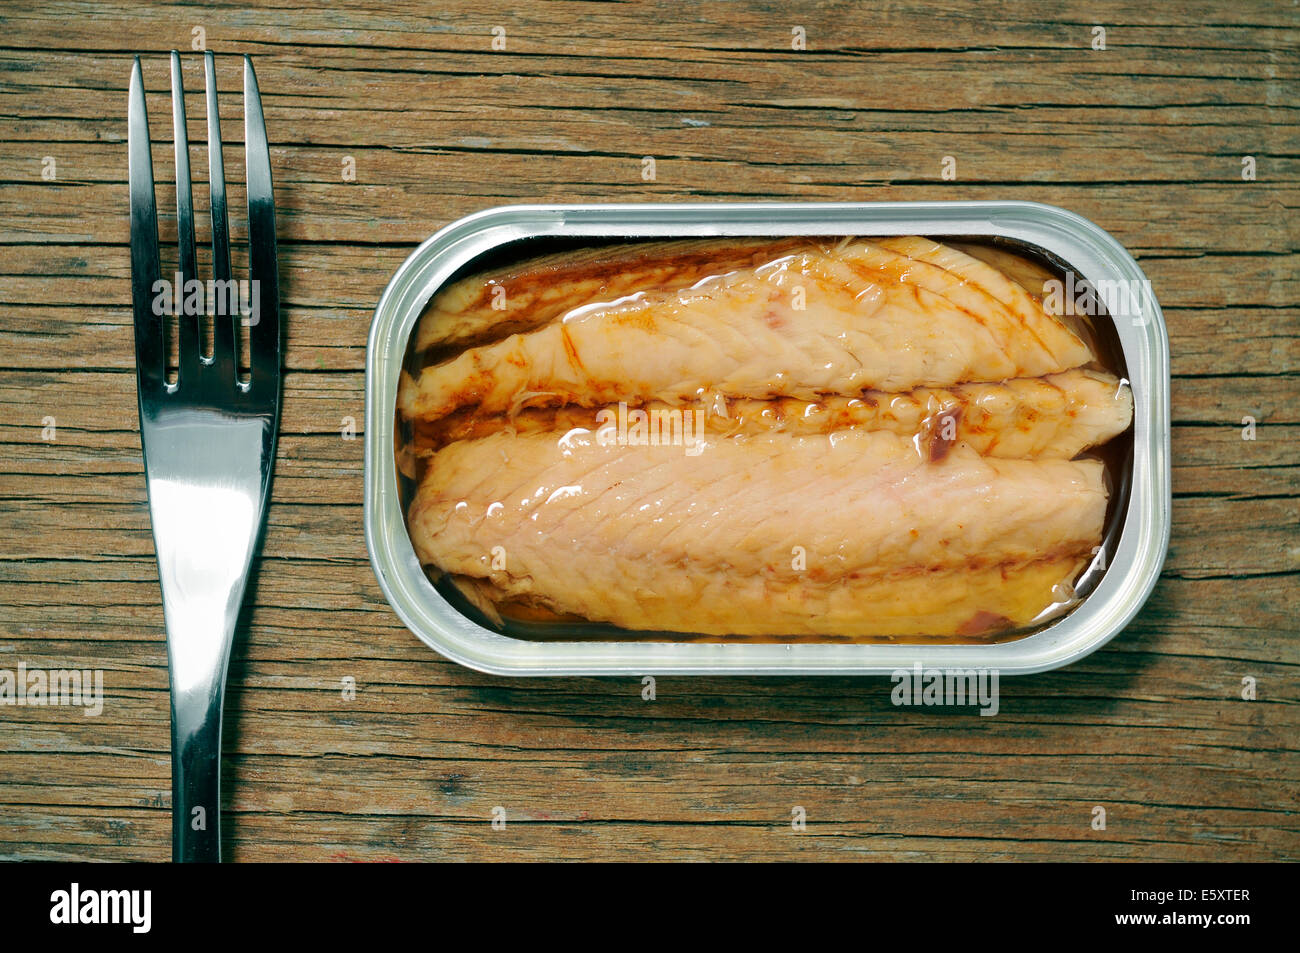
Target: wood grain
{"x": 1146, "y": 138}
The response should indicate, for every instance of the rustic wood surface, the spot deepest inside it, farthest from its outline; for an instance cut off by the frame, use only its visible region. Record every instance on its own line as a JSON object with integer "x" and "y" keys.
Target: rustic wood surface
{"x": 1146, "y": 137}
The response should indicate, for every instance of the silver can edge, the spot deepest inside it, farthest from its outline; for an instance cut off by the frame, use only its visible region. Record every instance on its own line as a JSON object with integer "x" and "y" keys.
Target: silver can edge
{"x": 1090, "y": 251}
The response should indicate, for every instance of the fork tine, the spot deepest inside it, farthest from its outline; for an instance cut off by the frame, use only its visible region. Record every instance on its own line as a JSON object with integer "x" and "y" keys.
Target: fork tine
{"x": 190, "y": 342}
{"x": 225, "y": 336}
{"x": 150, "y": 352}
{"x": 264, "y": 323}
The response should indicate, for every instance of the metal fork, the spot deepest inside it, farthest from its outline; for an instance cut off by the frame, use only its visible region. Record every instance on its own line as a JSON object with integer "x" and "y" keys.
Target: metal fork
{"x": 208, "y": 437}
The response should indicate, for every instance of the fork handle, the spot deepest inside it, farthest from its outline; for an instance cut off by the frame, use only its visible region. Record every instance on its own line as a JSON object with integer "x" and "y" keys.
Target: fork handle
{"x": 196, "y": 775}
{"x": 199, "y": 636}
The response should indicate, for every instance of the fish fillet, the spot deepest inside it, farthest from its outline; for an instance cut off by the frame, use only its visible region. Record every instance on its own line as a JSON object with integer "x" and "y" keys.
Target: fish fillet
{"x": 1055, "y": 416}
{"x": 528, "y": 295}
{"x": 1033, "y": 277}
{"x": 893, "y": 544}
{"x": 896, "y": 605}
{"x": 1025, "y": 272}
{"x": 818, "y": 321}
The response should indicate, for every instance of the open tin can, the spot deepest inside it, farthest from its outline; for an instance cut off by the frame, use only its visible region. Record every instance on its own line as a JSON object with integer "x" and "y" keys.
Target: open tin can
{"x": 1131, "y": 560}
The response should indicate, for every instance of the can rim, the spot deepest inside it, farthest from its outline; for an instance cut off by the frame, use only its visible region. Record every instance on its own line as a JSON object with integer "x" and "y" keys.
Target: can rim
{"x": 1090, "y": 251}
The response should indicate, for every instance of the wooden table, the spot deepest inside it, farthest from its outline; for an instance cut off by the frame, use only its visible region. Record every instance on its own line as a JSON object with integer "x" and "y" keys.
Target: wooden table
{"x": 1146, "y": 137}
